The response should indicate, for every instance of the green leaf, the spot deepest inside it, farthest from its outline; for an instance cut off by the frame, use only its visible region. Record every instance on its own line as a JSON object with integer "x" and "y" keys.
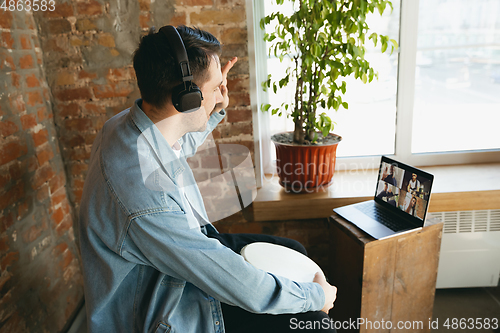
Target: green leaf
{"x": 364, "y": 78}
{"x": 384, "y": 47}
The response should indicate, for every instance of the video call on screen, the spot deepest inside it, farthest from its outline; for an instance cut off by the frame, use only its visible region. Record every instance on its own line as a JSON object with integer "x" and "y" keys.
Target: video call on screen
{"x": 404, "y": 190}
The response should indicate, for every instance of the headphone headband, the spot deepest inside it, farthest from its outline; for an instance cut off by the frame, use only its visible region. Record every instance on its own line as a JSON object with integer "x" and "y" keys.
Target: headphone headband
{"x": 187, "y": 96}
{"x": 180, "y": 51}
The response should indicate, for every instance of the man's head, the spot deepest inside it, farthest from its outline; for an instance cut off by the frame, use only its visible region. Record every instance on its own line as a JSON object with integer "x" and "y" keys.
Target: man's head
{"x": 413, "y": 176}
{"x": 158, "y": 71}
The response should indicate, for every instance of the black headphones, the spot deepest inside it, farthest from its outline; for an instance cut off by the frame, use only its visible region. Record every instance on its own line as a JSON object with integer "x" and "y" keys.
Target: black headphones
{"x": 187, "y": 96}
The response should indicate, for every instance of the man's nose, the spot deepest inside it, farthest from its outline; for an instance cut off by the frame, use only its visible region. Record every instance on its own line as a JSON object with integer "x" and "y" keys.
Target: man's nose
{"x": 219, "y": 97}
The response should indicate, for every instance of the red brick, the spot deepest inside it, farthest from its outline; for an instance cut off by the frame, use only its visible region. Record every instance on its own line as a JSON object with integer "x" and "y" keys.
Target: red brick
{"x": 28, "y": 121}
{"x": 17, "y": 103}
{"x": 234, "y": 116}
{"x": 6, "y": 59}
{"x": 73, "y": 94}
{"x": 4, "y": 243}
{"x": 75, "y": 141}
{"x": 32, "y": 234}
{"x": 58, "y": 26}
{"x": 79, "y": 154}
{"x": 121, "y": 74}
{"x": 89, "y": 8}
{"x": 83, "y": 74}
{"x": 43, "y": 114}
{"x": 178, "y": 19}
{"x": 6, "y": 41}
{"x": 234, "y": 36}
{"x": 61, "y": 10}
{"x": 89, "y": 138}
{"x": 58, "y": 197}
{"x": 59, "y": 249}
{"x": 194, "y": 2}
{"x": 64, "y": 226}
{"x": 12, "y": 150}
{"x": 230, "y": 130}
{"x": 78, "y": 169}
{"x": 78, "y": 183}
{"x": 12, "y": 173}
{"x": 113, "y": 90}
{"x": 66, "y": 260}
{"x": 68, "y": 110}
{"x": 144, "y": 19}
{"x": 5, "y": 223}
{"x": 214, "y": 17}
{"x": 26, "y": 62}
{"x": 32, "y": 81}
{"x": 7, "y": 128}
{"x": 16, "y": 79}
{"x": 42, "y": 193}
{"x": 40, "y": 137}
{"x": 238, "y": 84}
{"x": 95, "y": 109}
{"x": 239, "y": 99}
{"x": 77, "y": 195}
{"x": 44, "y": 154}
{"x": 8, "y": 260}
{"x": 25, "y": 42}
{"x": 144, "y": 5}
{"x": 57, "y": 182}
{"x": 23, "y": 210}
{"x": 12, "y": 196}
{"x": 58, "y": 216}
{"x": 34, "y": 98}
{"x": 42, "y": 175}
{"x": 78, "y": 124}
{"x": 5, "y": 19}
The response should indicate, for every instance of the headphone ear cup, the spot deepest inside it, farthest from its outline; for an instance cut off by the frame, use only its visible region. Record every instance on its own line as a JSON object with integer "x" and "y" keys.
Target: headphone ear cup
{"x": 187, "y": 100}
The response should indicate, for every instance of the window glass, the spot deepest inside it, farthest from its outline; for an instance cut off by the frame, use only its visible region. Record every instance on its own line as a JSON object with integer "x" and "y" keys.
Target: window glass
{"x": 368, "y": 125}
{"x": 457, "y": 78}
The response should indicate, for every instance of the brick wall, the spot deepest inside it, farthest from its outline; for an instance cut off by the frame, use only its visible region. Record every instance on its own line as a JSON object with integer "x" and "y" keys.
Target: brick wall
{"x": 40, "y": 281}
{"x": 62, "y": 75}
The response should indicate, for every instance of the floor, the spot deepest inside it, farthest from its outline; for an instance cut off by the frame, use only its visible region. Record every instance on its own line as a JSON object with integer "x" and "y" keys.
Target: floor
{"x": 480, "y": 304}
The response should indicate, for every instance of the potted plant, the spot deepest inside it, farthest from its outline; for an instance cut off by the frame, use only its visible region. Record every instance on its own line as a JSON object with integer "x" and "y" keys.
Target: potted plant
{"x": 324, "y": 40}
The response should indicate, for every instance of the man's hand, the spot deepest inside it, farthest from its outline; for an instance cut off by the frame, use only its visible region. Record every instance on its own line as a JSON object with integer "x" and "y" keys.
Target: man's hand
{"x": 223, "y": 86}
{"x": 330, "y": 291}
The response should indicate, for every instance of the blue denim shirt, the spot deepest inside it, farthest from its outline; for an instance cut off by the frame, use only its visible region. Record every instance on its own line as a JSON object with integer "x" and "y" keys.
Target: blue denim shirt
{"x": 146, "y": 269}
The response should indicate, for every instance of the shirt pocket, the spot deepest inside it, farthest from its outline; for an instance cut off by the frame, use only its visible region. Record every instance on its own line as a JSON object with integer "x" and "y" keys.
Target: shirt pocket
{"x": 170, "y": 281}
{"x": 163, "y": 328}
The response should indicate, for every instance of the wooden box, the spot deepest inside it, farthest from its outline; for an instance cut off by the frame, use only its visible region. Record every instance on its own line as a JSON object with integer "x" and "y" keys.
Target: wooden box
{"x": 383, "y": 285}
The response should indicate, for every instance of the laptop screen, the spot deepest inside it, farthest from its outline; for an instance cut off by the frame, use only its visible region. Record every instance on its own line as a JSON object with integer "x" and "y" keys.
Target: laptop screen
{"x": 404, "y": 189}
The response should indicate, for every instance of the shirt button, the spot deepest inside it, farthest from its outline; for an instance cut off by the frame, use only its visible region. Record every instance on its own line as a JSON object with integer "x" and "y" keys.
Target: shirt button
{"x": 217, "y": 323}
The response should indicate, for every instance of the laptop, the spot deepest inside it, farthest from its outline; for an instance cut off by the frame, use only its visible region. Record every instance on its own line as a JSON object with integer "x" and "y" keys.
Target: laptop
{"x": 400, "y": 204}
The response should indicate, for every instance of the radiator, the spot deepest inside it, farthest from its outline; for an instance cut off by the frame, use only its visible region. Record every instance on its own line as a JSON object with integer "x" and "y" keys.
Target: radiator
{"x": 470, "y": 249}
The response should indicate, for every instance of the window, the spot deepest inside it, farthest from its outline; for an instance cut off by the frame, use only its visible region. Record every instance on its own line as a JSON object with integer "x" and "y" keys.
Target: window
{"x": 437, "y": 100}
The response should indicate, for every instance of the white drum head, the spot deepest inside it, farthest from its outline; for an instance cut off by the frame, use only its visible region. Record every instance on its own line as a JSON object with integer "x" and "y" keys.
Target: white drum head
{"x": 281, "y": 260}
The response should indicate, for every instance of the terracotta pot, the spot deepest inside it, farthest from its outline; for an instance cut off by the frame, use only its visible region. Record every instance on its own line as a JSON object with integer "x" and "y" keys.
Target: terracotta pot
{"x": 305, "y": 168}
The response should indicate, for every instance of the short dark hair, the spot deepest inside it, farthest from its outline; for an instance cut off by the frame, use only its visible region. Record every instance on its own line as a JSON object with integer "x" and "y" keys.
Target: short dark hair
{"x": 157, "y": 70}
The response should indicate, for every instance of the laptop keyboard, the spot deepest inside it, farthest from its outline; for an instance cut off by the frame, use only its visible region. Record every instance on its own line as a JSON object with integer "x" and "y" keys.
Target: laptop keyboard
{"x": 382, "y": 217}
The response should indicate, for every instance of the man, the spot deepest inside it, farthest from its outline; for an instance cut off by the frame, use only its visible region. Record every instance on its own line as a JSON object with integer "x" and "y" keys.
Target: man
{"x": 413, "y": 184}
{"x": 388, "y": 176}
{"x": 151, "y": 261}
{"x": 387, "y": 194}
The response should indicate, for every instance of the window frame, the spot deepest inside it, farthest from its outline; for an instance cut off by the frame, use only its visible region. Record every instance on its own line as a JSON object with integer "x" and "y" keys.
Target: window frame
{"x": 408, "y": 32}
